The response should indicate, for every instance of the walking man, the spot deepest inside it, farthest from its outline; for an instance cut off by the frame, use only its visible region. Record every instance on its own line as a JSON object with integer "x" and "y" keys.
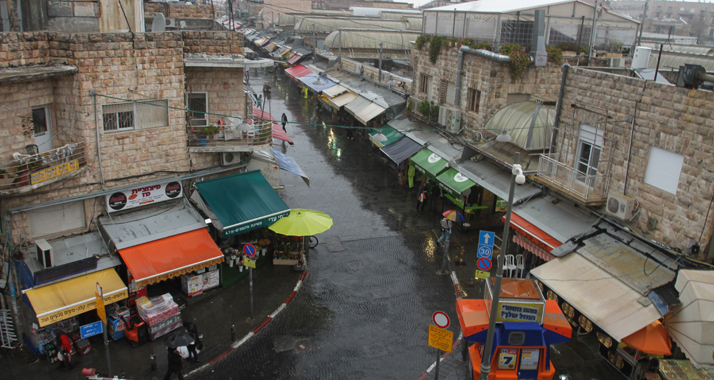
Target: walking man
{"x": 191, "y": 329}
{"x": 175, "y": 364}
{"x": 445, "y": 231}
{"x": 284, "y": 121}
{"x": 421, "y": 196}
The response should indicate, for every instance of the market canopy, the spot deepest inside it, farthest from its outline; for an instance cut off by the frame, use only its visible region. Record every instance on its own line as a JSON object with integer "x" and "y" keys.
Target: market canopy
{"x": 369, "y": 112}
{"x": 294, "y": 59}
{"x": 401, "y": 149}
{"x": 297, "y": 71}
{"x": 340, "y": 100}
{"x": 454, "y": 183}
{"x": 429, "y": 163}
{"x": 357, "y": 105}
{"x": 390, "y": 133}
{"x": 316, "y": 82}
{"x": 62, "y": 300}
{"x": 601, "y": 297}
{"x": 171, "y": 257}
{"x": 289, "y": 164}
{"x": 334, "y": 91}
{"x": 243, "y": 202}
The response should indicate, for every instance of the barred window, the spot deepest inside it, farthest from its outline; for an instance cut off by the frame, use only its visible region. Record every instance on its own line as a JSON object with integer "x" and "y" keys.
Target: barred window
{"x": 474, "y": 100}
{"x": 423, "y": 83}
{"x": 198, "y": 102}
{"x": 128, "y": 116}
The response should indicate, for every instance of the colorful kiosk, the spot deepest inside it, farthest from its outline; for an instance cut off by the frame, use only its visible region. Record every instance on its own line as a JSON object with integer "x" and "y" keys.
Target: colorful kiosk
{"x": 526, "y": 325}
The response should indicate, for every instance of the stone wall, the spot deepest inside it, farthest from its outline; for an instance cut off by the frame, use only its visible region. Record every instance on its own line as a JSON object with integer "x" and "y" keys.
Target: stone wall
{"x": 179, "y": 10}
{"x": 492, "y": 78}
{"x": 22, "y": 49}
{"x": 675, "y": 119}
{"x": 213, "y": 43}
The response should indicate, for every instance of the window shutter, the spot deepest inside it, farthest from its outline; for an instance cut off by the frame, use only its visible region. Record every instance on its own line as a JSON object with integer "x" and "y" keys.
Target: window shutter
{"x": 55, "y": 219}
{"x": 663, "y": 169}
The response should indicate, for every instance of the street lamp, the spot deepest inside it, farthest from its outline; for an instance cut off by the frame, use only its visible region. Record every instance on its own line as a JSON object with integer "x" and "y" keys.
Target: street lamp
{"x": 516, "y": 178}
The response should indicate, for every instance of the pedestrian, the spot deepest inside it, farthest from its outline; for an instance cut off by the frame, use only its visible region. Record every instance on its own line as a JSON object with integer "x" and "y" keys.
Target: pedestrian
{"x": 421, "y": 196}
{"x": 445, "y": 231}
{"x": 65, "y": 350}
{"x": 175, "y": 364}
{"x": 193, "y": 331}
{"x": 284, "y": 121}
{"x": 260, "y": 101}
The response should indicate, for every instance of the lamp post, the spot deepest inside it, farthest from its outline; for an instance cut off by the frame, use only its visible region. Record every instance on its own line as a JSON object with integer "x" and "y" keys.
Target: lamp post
{"x": 516, "y": 178}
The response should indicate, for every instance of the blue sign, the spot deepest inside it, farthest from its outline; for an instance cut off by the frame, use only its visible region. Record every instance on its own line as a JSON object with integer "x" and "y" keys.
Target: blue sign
{"x": 483, "y": 263}
{"x": 90, "y": 329}
{"x": 249, "y": 250}
{"x": 485, "y": 246}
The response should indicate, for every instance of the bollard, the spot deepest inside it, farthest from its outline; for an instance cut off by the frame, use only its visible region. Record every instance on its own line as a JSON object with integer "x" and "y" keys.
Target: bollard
{"x": 233, "y": 333}
{"x": 153, "y": 362}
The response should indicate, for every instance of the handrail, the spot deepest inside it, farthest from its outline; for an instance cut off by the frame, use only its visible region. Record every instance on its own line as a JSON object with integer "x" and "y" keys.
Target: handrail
{"x": 262, "y": 134}
{"x": 32, "y": 169}
{"x": 569, "y": 179}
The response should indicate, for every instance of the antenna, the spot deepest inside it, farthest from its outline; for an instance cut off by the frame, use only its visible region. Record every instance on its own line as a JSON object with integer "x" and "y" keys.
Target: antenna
{"x": 159, "y": 23}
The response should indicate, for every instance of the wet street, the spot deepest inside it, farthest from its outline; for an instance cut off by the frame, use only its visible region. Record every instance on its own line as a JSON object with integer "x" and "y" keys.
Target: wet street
{"x": 364, "y": 309}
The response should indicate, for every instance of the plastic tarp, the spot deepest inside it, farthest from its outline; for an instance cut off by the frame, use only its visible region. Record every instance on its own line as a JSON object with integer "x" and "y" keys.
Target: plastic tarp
{"x": 294, "y": 59}
{"x": 316, "y": 83}
{"x": 297, "y": 71}
{"x": 357, "y": 105}
{"x": 401, "y": 149}
{"x": 334, "y": 91}
{"x": 603, "y": 299}
{"x": 341, "y": 100}
{"x": 390, "y": 133}
{"x": 243, "y": 202}
{"x": 429, "y": 163}
{"x": 289, "y": 164}
{"x": 171, "y": 257}
{"x": 454, "y": 183}
{"x": 516, "y": 119}
{"x": 62, "y": 300}
{"x": 691, "y": 324}
{"x": 370, "y": 112}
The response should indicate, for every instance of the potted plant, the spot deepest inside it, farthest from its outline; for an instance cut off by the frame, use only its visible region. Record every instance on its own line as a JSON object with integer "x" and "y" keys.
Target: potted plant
{"x": 263, "y": 243}
{"x": 210, "y": 130}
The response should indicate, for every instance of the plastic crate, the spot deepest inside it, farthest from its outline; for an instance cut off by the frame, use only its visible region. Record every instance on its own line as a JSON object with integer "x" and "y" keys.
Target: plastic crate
{"x": 83, "y": 346}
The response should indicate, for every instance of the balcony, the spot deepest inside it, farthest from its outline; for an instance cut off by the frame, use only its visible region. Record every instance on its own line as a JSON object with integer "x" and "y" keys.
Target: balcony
{"x": 589, "y": 190}
{"x": 257, "y": 135}
{"x": 27, "y": 172}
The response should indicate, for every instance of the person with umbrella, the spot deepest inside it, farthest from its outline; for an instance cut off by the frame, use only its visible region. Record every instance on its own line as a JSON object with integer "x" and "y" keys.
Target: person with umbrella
{"x": 172, "y": 343}
{"x": 193, "y": 331}
{"x": 450, "y": 216}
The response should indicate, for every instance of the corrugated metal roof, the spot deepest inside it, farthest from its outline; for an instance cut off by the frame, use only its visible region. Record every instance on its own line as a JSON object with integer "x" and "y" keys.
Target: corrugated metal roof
{"x": 379, "y": 95}
{"x": 327, "y": 25}
{"x": 357, "y": 39}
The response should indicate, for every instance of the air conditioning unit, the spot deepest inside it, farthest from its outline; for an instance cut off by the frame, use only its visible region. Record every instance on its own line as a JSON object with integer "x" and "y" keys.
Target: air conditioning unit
{"x": 44, "y": 253}
{"x": 358, "y": 68}
{"x": 229, "y": 158}
{"x": 617, "y": 62}
{"x": 444, "y": 116}
{"x": 455, "y": 124}
{"x": 171, "y": 23}
{"x": 620, "y": 205}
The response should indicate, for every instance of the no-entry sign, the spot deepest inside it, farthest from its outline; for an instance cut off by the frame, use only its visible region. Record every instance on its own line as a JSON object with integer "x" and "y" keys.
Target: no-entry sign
{"x": 483, "y": 263}
{"x": 249, "y": 250}
{"x": 441, "y": 319}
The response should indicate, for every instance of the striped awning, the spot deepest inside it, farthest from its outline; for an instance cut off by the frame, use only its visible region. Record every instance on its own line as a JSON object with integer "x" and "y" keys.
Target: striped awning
{"x": 532, "y": 247}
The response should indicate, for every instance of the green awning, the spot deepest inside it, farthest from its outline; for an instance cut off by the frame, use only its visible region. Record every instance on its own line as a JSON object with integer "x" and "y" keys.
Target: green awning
{"x": 243, "y": 202}
{"x": 429, "y": 163}
{"x": 391, "y": 133}
{"x": 454, "y": 182}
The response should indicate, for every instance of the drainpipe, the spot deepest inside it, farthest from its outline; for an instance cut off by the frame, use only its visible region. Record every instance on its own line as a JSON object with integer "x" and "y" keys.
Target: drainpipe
{"x": 559, "y": 105}
{"x": 460, "y": 65}
{"x": 593, "y": 33}
{"x": 93, "y": 93}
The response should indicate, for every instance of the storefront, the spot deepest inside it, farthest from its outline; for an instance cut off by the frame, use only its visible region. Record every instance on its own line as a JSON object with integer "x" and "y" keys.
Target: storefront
{"x": 245, "y": 205}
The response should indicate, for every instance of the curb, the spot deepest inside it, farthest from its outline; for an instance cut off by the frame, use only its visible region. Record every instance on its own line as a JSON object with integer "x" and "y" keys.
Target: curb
{"x": 252, "y": 333}
{"x": 457, "y": 291}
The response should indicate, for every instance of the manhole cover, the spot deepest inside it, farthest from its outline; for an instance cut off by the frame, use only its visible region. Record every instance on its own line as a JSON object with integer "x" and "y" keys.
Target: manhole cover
{"x": 354, "y": 265}
{"x": 334, "y": 244}
{"x": 376, "y": 349}
{"x": 381, "y": 293}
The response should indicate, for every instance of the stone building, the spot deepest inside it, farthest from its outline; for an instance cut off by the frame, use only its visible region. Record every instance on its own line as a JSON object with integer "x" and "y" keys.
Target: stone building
{"x": 102, "y": 111}
{"x": 682, "y": 18}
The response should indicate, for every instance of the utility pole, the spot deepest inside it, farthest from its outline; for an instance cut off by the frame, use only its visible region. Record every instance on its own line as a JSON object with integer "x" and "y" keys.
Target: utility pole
{"x": 593, "y": 34}
{"x": 380, "y": 62}
{"x": 314, "y": 39}
{"x": 642, "y": 25}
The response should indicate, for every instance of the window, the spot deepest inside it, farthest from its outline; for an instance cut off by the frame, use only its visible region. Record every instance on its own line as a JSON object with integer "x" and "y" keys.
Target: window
{"x": 663, "y": 169}
{"x": 198, "y": 101}
{"x": 40, "y": 120}
{"x": 128, "y": 116}
{"x": 588, "y": 156}
{"x": 56, "y": 219}
{"x": 474, "y": 100}
{"x": 451, "y": 93}
{"x": 424, "y": 83}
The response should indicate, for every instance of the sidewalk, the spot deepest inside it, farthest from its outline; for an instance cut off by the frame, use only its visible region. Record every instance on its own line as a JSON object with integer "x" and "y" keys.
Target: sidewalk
{"x": 214, "y": 313}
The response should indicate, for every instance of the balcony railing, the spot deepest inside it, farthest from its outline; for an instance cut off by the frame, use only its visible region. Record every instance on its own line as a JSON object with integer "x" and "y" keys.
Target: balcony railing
{"x": 243, "y": 137}
{"x": 589, "y": 189}
{"x": 30, "y": 171}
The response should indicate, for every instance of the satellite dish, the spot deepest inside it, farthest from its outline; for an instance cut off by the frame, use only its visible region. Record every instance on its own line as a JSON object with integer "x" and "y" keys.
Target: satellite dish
{"x": 159, "y": 23}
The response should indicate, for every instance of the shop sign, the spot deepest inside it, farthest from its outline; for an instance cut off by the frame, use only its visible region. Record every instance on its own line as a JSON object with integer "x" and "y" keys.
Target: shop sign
{"x": 440, "y": 338}
{"x": 91, "y": 329}
{"x": 249, "y": 263}
{"x": 54, "y": 171}
{"x": 124, "y": 200}
{"x": 519, "y": 312}
{"x": 68, "y": 312}
{"x": 254, "y": 225}
{"x": 271, "y": 172}
{"x": 507, "y": 358}
{"x": 482, "y": 274}
{"x": 101, "y": 312}
{"x": 529, "y": 359}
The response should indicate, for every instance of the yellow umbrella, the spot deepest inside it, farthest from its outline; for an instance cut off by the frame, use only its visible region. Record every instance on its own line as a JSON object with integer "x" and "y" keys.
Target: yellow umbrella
{"x": 302, "y": 222}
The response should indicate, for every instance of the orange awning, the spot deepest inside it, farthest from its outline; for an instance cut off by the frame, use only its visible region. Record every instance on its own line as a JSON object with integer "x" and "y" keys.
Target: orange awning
{"x": 473, "y": 315}
{"x": 652, "y": 339}
{"x": 162, "y": 259}
{"x": 541, "y": 238}
{"x": 555, "y": 321}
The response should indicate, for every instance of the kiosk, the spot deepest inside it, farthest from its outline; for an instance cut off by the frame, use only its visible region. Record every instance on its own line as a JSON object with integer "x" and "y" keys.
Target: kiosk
{"x": 526, "y": 325}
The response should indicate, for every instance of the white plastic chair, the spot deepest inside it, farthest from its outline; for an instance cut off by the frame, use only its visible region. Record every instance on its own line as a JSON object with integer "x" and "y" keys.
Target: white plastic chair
{"x": 510, "y": 265}
{"x": 250, "y": 137}
{"x": 519, "y": 266}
